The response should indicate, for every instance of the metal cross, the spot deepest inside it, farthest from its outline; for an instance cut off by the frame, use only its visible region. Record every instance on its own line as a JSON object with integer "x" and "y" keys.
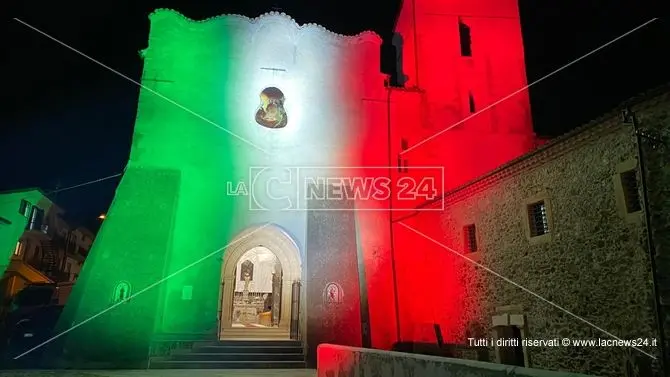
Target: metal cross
{"x": 154, "y": 80}
{"x": 274, "y": 71}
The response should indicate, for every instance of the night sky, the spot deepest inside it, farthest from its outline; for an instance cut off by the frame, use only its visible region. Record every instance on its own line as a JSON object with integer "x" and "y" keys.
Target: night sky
{"x": 66, "y": 120}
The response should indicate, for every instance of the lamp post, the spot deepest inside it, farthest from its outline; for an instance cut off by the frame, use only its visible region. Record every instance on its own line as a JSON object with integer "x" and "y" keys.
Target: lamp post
{"x": 628, "y": 117}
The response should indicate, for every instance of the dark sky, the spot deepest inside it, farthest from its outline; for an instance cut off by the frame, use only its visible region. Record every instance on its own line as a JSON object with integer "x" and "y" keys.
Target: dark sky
{"x": 66, "y": 120}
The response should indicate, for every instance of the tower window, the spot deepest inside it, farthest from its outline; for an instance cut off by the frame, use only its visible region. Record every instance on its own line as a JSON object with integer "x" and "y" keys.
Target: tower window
{"x": 465, "y": 39}
{"x": 402, "y": 162}
{"x": 537, "y": 219}
{"x": 471, "y": 103}
{"x": 630, "y": 191}
{"x": 402, "y": 165}
{"x": 470, "y": 233}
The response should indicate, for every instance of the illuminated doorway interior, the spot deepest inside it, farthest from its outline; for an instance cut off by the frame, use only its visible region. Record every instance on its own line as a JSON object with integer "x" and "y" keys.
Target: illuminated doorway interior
{"x": 260, "y": 286}
{"x": 257, "y": 295}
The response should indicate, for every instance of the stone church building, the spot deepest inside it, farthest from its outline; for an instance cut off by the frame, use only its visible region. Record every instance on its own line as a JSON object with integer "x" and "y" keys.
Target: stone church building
{"x": 215, "y": 232}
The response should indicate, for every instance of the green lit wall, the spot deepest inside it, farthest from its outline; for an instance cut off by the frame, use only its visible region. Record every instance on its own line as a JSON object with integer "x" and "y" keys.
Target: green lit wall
{"x": 172, "y": 207}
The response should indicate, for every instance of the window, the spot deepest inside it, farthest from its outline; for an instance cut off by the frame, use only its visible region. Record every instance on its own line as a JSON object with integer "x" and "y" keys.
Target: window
{"x": 402, "y": 162}
{"x": 465, "y": 39}
{"x": 470, "y": 233}
{"x": 537, "y": 219}
{"x": 37, "y": 255}
{"x": 19, "y": 249}
{"x": 631, "y": 193}
{"x": 471, "y": 103}
{"x": 24, "y": 208}
{"x": 36, "y": 217}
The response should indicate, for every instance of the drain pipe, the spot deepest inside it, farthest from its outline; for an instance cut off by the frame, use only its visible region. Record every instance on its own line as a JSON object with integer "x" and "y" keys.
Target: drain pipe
{"x": 629, "y": 117}
{"x": 392, "y": 245}
{"x": 416, "y": 45}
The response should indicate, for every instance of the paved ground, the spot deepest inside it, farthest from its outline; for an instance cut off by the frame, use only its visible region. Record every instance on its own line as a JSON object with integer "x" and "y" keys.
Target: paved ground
{"x": 164, "y": 373}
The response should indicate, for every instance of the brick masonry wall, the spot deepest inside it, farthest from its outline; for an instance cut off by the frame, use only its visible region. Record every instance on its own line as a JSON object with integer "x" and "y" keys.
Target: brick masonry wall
{"x": 594, "y": 264}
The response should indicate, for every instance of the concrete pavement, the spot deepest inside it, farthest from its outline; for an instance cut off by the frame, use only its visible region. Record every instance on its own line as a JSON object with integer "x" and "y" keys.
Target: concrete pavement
{"x": 163, "y": 373}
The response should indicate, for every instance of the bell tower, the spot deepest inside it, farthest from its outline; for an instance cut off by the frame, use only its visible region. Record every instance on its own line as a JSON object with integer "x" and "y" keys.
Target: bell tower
{"x": 466, "y": 59}
{"x": 463, "y": 107}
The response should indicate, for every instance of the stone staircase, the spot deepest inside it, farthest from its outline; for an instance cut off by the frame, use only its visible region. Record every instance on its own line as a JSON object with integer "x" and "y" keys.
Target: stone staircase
{"x": 236, "y": 354}
{"x": 49, "y": 257}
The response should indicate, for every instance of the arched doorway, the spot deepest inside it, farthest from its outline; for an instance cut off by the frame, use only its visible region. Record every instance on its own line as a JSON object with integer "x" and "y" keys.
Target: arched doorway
{"x": 260, "y": 261}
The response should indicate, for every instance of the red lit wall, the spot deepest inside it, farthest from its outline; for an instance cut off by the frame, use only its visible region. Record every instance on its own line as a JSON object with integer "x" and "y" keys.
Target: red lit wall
{"x": 434, "y": 285}
{"x": 433, "y": 63}
{"x": 367, "y": 123}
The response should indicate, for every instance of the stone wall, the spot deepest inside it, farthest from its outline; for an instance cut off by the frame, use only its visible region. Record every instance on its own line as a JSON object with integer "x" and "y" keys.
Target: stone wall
{"x": 653, "y": 118}
{"x": 341, "y": 361}
{"x": 589, "y": 277}
{"x": 333, "y": 297}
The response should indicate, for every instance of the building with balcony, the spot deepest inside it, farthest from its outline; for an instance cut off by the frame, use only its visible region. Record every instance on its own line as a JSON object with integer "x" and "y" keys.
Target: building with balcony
{"x": 37, "y": 245}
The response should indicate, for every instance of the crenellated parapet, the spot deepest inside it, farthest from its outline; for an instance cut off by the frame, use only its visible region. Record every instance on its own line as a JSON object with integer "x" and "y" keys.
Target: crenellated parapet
{"x": 182, "y": 23}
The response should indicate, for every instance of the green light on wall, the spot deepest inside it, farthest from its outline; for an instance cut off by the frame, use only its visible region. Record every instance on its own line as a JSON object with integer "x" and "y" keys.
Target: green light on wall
{"x": 170, "y": 208}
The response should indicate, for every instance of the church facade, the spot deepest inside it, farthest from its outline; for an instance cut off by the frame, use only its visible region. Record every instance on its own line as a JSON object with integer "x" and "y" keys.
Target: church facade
{"x": 230, "y": 216}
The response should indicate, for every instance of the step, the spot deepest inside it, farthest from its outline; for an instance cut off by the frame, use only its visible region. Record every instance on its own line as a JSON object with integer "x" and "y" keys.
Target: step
{"x": 255, "y": 333}
{"x": 171, "y": 364}
{"x": 248, "y": 349}
{"x": 255, "y": 336}
{"x": 251, "y": 342}
{"x": 193, "y": 356}
{"x": 256, "y": 330}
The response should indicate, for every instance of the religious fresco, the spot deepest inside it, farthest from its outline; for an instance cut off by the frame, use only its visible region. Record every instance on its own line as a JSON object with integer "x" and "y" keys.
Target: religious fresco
{"x": 332, "y": 294}
{"x": 247, "y": 270}
{"x": 121, "y": 291}
{"x": 271, "y": 112}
